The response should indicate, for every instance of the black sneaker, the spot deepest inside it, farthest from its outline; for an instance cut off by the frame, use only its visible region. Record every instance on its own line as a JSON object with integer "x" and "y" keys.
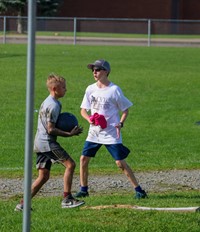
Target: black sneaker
{"x": 141, "y": 194}
{"x": 70, "y": 202}
{"x": 81, "y": 194}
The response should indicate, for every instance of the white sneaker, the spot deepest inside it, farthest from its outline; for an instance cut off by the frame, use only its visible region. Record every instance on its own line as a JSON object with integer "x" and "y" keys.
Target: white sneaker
{"x": 19, "y": 207}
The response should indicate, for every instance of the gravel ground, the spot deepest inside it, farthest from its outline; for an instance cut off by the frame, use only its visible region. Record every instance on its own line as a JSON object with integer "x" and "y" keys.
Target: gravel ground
{"x": 154, "y": 181}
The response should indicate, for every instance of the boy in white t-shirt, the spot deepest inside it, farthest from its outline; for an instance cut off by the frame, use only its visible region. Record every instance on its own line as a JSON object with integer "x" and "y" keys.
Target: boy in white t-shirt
{"x": 105, "y": 100}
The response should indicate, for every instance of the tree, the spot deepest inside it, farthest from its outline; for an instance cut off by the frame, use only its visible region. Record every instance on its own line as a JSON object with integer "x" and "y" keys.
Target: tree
{"x": 48, "y": 7}
{"x": 18, "y": 6}
{"x": 45, "y": 7}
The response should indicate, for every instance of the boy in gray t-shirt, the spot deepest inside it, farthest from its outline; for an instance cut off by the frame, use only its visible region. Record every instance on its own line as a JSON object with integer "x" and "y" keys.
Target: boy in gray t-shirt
{"x": 48, "y": 150}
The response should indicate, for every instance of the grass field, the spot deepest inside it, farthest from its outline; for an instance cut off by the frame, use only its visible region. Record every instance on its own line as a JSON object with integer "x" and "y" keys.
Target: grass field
{"x": 107, "y": 35}
{"x": 163, "y": 84}
{"x": 48, "y": 216}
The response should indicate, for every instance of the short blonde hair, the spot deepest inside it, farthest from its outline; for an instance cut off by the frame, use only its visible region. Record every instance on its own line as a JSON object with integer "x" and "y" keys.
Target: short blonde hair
{"x": 54, "y": 80}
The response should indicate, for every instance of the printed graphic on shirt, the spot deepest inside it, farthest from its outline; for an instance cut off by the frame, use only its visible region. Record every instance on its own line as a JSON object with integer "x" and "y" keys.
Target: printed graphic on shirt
{"x": 99, "y": 103}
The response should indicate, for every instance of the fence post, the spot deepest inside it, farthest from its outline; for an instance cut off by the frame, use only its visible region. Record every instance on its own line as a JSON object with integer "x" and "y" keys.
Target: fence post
{"x": 75, "y": 31}
{"x": 4, "y": 30}
{"x": 149, "y": 32}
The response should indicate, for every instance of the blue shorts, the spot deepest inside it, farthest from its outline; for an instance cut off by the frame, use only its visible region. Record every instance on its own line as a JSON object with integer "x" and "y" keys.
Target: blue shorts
{"x": 118, "y": 151}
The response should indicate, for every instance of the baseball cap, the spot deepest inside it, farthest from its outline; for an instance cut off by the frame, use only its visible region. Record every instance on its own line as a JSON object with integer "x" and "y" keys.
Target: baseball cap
{"x": 100, "y": 64}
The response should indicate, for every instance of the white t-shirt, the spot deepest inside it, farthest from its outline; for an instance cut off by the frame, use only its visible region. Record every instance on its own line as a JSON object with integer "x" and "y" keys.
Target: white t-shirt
{"x": 108, "y": 101}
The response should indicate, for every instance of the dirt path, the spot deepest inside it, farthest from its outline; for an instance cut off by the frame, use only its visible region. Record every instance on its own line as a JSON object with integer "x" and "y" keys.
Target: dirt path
{"x": 156, "y": 181}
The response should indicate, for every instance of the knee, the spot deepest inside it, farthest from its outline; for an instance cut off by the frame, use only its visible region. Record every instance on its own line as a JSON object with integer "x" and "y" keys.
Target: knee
{"x": 69, "y": 164}
{"x": 84, "y": 160}
{"x": 120, "y": 164}
{"x": 72, "y": 165}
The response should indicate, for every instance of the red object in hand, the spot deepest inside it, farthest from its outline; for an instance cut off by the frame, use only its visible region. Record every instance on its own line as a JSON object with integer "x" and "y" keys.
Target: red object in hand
{"x": 98, "y": 120}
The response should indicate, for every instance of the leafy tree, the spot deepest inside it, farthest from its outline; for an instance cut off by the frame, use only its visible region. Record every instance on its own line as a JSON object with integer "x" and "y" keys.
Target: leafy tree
{"x": 45, "y": 8}
{"x": 18, "y": 6}
{"x": 48, "y": 7}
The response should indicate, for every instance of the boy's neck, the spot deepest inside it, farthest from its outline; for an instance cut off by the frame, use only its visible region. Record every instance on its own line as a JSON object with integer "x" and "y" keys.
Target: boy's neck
{"x": 103, "y": 84}
{"x": 54, "y": 96}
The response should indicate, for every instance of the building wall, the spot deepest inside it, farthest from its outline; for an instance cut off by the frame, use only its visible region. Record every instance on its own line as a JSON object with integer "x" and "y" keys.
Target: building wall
{"x": 191, "y": 9}
{"x": 153, "y": 9}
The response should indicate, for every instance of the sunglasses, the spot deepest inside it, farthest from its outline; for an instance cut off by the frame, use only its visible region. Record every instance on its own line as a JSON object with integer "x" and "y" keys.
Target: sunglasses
{"x": 97, "y": 69}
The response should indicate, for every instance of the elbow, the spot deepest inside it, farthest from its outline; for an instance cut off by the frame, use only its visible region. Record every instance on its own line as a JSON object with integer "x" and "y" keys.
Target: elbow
{"x": 82, "y": 112}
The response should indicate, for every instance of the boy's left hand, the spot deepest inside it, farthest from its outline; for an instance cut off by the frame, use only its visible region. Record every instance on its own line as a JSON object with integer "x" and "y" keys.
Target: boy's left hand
{"x": 76, "y": 130}
{"x": 118, "y": 128}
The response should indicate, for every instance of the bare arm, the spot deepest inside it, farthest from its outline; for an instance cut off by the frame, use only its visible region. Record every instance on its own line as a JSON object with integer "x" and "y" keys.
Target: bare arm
{"x": 124, "y": 116}
{"x": 85, "y": 115}
{"x": 122, "y": 120}
{"x": 52, "y": 130}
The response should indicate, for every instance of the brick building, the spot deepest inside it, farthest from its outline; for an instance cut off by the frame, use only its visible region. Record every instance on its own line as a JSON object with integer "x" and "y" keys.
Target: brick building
{"x": 131, "y": 9}
{"x": 151, "y": 9}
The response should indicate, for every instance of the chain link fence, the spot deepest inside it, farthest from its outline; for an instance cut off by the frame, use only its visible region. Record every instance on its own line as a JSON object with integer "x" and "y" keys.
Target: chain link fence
{"x": 103, "y": 31}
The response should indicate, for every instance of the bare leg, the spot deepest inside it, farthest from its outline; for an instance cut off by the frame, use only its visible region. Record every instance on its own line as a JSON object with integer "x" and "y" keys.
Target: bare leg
{"x": 127, "y": 171}
{"x": 84, "y": 161}
{"x": 42, "y": 178}
{"x": 68, "y": 175}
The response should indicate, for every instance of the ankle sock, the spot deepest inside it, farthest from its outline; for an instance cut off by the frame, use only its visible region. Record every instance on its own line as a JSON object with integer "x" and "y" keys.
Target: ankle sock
{"x": 66, "y": 194}
{"x": 138, "y": 189}
{"x": 84, "y": 188}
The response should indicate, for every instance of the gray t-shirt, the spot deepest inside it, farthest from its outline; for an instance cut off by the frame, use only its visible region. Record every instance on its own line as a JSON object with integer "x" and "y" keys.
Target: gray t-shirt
{"x": 49, "y": 112}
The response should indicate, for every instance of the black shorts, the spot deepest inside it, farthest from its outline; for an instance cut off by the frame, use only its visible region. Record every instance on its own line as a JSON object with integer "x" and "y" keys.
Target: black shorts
{"x": 45, "y": 159}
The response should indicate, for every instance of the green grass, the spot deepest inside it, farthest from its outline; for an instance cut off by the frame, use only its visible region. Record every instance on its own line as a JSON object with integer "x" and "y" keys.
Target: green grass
{"x": 160, "y": 131}
{"x": 163, "y": 84}
{"x": 118, "y": 35}
{"x": 108, "y": 35}
{"x": 48, "y": 216}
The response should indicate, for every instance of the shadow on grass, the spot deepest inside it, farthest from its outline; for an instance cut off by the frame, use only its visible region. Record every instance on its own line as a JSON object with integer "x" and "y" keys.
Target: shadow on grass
{"x": 3, "y": 56}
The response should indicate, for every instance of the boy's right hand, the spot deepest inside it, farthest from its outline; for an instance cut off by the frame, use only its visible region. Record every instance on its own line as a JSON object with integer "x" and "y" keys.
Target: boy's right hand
{"x": 76, "y": 130}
